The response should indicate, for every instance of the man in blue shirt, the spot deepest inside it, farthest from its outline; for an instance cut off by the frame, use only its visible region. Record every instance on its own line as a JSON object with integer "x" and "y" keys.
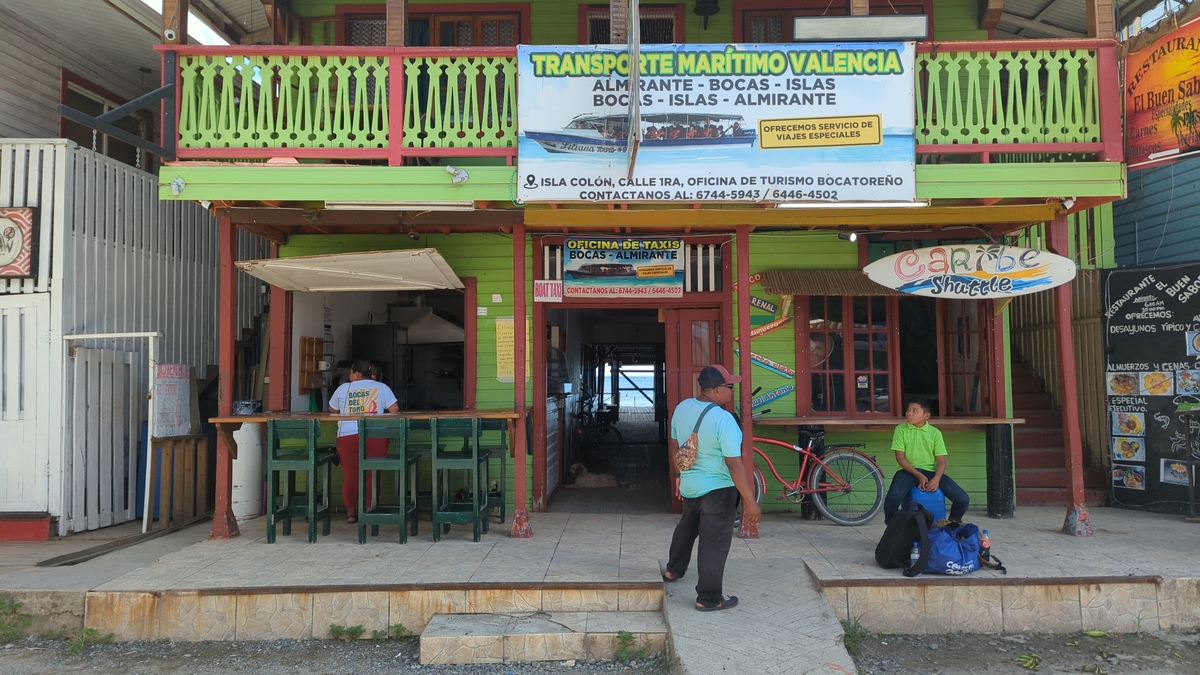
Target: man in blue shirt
{"x": 710, "y": 488}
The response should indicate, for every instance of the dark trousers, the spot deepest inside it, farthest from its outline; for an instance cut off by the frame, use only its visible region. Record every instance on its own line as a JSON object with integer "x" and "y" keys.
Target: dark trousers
{"x": 710, "y": 518}
{"x": 904, "y": 481}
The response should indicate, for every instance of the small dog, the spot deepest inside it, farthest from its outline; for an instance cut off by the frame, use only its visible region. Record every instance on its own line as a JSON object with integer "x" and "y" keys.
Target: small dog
{"x": 585, "y": 479}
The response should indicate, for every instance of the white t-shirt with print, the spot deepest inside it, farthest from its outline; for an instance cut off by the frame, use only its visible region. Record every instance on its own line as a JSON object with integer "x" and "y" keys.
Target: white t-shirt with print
{"x": 364, "y": 397}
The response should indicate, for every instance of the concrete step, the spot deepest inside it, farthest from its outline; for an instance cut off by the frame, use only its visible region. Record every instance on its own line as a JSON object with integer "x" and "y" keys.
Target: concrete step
{"x": 1039, "y": 458}
{"x": 1056, "y": 477}
{"x": 1024, "y": 371}
{"x": 1040, "y": 417}
{"x": 1027, "y": 385}
{"x": 540, "y": 636}
{"x": 1055, "y": 496}
{"x": 1037, "y": 437}
{"x": 1032, "y": 402}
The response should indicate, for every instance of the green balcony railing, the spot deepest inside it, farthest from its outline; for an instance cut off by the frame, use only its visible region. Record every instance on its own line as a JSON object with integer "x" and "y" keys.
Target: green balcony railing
{"x": 975, "y": 101}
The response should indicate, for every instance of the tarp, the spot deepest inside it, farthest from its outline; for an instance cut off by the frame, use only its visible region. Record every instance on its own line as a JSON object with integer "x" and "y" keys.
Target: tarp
{"x": 411, "y": 270}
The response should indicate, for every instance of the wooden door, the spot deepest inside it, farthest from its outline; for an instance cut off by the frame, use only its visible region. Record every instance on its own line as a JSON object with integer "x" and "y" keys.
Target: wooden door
{"x": 25, "y": 402}
{"x": 694, "y": 341}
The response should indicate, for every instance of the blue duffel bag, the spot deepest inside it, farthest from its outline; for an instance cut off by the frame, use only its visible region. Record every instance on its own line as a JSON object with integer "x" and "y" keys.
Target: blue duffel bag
{"x": 953, "y": 549}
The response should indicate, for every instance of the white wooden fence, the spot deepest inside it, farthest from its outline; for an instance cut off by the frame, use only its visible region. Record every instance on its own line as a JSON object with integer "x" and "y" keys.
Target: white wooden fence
{"x": 112, "y": 258}
{"x": 24, "y": 402}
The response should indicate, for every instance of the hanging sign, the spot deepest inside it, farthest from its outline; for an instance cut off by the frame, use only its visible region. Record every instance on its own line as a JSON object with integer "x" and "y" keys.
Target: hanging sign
{"x": 547, "y": 290}
{"x": 16, "y": 242}
{"x": 971, "y": 271}
{"x": 718, "y": 123}
{"x": 1162, "y": 98}
{"x": 623, "y": 268}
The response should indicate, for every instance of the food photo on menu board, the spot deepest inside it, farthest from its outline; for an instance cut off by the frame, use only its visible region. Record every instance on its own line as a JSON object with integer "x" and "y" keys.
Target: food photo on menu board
{"x": 1152, "y": 381}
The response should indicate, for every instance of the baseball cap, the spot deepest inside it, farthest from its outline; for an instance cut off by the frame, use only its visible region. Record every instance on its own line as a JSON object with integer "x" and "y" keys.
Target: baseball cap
{"x": 715, "y": 376}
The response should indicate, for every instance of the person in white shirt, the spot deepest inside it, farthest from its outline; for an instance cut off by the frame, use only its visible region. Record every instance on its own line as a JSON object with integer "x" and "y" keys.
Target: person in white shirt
{"x": 360, "y": 396}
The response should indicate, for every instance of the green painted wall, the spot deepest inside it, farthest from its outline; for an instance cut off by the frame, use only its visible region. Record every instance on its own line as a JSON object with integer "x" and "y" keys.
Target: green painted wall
{"x": 966, "y": 462}
{"x": 487, "y": 258}
{"x": 957, "y": 20}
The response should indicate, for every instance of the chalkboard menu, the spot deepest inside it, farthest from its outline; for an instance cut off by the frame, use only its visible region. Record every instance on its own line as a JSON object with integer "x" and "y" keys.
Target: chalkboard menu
{"x": 1152, "y": 332}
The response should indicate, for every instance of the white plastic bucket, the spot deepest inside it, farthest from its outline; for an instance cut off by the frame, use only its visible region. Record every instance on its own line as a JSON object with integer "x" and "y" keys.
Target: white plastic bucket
{"x": 248, "y": 471}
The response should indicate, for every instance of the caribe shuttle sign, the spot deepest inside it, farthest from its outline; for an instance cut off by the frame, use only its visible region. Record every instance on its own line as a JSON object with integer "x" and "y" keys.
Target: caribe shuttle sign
{"x": 972, "y": 271}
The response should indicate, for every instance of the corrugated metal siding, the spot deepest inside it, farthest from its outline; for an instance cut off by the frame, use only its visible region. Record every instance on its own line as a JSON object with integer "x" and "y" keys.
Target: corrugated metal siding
{"x": 1157, "y": 224}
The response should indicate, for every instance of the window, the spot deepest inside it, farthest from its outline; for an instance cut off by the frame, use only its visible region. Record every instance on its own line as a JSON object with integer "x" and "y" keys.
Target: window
{"x": 79, "y": 95}
{"x": 438, "y": 30}
{"x": 657, "y": 22}
{"x": 965, "y": 331}
{"x": 764, "y": 21}
{"x": 851, "y": 364}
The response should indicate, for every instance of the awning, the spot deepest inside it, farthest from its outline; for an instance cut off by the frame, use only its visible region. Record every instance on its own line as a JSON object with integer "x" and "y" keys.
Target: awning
{"x": 412, "y": 270}
{"x": 822, "y": 282}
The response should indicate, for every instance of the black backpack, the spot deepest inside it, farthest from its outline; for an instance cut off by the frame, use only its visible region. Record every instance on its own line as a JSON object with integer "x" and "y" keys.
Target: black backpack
{"x": 903, "y": 529}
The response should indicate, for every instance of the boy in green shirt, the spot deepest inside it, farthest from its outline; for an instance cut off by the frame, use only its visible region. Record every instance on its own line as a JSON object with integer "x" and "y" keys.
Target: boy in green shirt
{"x": 921, "y": 454}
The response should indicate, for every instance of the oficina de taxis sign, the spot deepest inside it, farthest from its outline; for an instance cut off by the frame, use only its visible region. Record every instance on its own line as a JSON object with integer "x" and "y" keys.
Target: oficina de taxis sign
{"x": 971, "y": 271}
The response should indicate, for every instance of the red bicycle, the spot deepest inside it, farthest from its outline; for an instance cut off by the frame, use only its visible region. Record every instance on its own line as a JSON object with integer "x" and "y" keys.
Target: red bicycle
{"x": 845, "y": 484}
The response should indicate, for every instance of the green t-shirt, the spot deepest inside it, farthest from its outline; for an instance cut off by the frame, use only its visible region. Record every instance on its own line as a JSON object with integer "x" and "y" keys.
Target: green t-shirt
{"x": 920, "y": 445}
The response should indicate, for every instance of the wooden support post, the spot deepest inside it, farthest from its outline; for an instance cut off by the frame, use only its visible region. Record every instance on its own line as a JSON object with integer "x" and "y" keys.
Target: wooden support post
{"x": 224, "y": 524}
{"x": 618, "y": 21}
{"x": 1001, "y": 487}
{"x": 1078, "y": 522}
{"x": 1108, "y": 78}
{"x": 748, "y": 530}
{"x": 279, "y": 352}
{"x": 540, "y": 406}
{"x": 175, "y": 22}
{"x": 520, "y": 526}
{"x": 860, "y": 7}
{"x": 1101, "y": 21}
{"x": 397, "y": 22}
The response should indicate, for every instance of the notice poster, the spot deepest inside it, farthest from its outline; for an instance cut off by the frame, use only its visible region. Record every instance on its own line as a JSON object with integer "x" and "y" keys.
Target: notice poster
{"x": 718, "y": 123}
{"x": 623, "y": 268}
{"x": 506, "y": 349}
{"x": 1152, "y": 335}
{"x": 172, "y": 400}
{"x": 1162, "y": 98}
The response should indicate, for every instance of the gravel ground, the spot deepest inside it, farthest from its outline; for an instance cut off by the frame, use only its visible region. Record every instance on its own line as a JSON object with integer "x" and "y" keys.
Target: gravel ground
{"x": 1160, "y": 653}
{"x": 38, "y": 656}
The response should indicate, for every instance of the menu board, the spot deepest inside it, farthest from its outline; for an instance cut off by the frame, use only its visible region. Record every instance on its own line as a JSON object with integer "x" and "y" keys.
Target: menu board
{"x": 1152, "y": 334}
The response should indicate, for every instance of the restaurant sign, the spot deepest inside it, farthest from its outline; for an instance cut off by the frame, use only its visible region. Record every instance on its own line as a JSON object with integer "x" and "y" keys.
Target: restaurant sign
{"x": 17, "y": 239}
{"x": 623, "y": 268}
{"x": 1162, "y": 98}
{"x": 971, "y": 271}
{"x": 719, "y": 123}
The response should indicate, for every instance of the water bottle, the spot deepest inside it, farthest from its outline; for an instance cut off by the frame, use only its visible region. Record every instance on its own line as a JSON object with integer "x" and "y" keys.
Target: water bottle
{"x": 915, "y": 554}
{"x": 985, "y": 546}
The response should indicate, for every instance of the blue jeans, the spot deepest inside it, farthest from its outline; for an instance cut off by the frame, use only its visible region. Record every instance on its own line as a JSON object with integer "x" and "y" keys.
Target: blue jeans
{"x": 904, "y": 481}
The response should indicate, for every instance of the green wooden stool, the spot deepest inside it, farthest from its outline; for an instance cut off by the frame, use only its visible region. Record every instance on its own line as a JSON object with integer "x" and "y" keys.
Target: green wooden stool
{"x": 496, "y": 498}
{"x": 302, "y": 454}
{"x": 403, "y": 468}
{"x": 471, "y": 461}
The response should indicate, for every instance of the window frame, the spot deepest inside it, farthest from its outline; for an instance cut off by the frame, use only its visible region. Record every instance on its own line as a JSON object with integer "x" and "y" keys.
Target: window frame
{"x": 948, "y": 337}
{"x": 585, "y": 9}
{"x": 804, "y": 393}
{"x": 741, "y": 7}
{"x": 71, "y": 81}
{"x": 344, "y": 12}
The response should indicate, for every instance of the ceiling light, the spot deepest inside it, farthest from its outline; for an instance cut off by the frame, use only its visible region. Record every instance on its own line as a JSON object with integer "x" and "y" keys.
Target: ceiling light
{"x": 845, "y": 234}
{"x": 436, "y": 205}
{"x": 852, "y": 205}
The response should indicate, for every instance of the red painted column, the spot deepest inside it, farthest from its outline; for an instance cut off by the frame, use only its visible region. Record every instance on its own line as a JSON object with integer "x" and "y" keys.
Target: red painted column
{"x": 224, "y": 524}
{"x": 279, "y": 354}
{"x": 1078, "y": 522}
{"x": 1109, "y": 80}
{"x": 520, "y": 526}
{"x": 748, "y": 531}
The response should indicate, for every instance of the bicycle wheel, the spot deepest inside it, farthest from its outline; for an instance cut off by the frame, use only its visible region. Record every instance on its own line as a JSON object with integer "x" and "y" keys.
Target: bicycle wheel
{"x": 864, "y": 498}
{"x": 760, "y": 485}
{"x": 606, "y": 442}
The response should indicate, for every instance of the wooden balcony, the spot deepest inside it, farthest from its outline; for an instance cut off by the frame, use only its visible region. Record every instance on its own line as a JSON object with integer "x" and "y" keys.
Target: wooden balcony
{"x": 989, "y": 102}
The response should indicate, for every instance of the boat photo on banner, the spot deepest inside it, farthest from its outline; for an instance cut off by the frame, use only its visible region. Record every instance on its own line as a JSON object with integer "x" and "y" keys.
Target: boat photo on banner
{"x": 623, "y": 268}
{"x": 738, "y": 123}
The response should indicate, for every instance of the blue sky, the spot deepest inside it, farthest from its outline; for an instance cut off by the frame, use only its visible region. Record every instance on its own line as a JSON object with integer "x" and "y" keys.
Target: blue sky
{"x": 197, "y": 29}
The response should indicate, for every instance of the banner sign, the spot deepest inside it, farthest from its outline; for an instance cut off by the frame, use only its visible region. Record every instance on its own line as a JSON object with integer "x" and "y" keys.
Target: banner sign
{"x": 720, "y": 123}
{"x": 17, "y": 239}
{"x": 1162, "y": 98}
{"x": 971, "y": 271}
{"x": 623, "y": 268}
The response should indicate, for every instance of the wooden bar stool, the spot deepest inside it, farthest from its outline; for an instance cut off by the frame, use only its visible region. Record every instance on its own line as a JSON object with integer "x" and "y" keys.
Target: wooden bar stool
{"x": 496, "y": 498}
{"x": 403, "y": 467}
{"x": 471, "y": 461}
{"x": 302, "y": 453}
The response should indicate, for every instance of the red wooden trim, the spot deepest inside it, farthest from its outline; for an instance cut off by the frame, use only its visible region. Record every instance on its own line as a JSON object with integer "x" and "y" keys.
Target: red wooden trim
{"x": 980, "y": 148}
{"x": 939, "y": 317}
{"x": 999, "y": 407}
{"x": 459, "y": 152}
{"x": 896, "y": 390}
{"x": 864, "y": 252}
{"x": 850, "y": 393}
{"x": 396, "y": 109}
{"x": 748, "y": 530}
{"x": 520, "y": 526}
{"x": 260, "y": 153}
{"x": 1059, "y": 243}
{"x": 726, "y": 304}
{"x": 539, "y": 399}
{"x": 1011, "y": 45}
{"x": 803, "y": 376}
{"x": 224, "y": 523}
{"x": 521, "y": 9}
{"x": 471, "y": 347}
{"x": 302, "y": 50}
{"x": 279, "y": 352}
{"x": 581, "y": 31}
{"x": 1109, "y": 81}
{"x": 688, "y": 300}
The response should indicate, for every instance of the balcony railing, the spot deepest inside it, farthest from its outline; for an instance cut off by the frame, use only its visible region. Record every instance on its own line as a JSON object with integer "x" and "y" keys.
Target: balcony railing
{"x": 989, "y": 101}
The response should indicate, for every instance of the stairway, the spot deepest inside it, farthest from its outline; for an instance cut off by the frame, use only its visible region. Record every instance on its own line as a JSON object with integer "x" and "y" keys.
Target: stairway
{"x": 1038, "y": 444}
